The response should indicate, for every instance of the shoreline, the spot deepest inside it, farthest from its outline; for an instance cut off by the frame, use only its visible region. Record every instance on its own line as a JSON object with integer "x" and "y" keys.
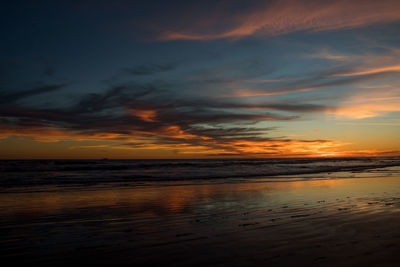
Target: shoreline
{"x": 373, "y": 172}
{"x": 48, "y": 175}
{"x": 350, "y": 221}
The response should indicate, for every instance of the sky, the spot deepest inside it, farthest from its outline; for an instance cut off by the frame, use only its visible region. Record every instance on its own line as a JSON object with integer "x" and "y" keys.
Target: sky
{"x": 199, "y": 79}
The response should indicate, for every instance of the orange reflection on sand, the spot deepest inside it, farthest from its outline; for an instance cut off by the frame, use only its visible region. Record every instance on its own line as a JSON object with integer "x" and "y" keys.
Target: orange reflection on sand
{"x": 177, "y": 197}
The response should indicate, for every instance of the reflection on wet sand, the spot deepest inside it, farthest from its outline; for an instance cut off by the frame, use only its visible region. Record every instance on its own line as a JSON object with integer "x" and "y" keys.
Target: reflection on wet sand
{"x": 352, "y": 221}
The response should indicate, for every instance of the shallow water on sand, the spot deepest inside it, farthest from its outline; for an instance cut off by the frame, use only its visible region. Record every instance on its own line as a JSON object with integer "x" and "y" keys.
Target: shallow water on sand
{"x": 342, "y": 218}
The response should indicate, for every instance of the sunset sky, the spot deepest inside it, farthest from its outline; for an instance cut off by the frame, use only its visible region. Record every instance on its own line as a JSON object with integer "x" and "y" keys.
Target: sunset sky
{"x": 199, "y": 79}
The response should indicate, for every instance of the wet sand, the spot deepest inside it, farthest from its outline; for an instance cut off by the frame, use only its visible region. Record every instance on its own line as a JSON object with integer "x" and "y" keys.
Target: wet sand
{"x": 335, "y": 220}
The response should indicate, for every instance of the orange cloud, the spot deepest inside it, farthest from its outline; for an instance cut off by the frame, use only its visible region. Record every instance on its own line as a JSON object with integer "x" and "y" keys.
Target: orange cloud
{"x": 365, "y": 111}
{"x": 367, "y": 105}
{"x": 47, "y": 134}
{"x": 286, "y": 16}
{"x": 144, "y": 114}
{"x": 209, "y": 147}
{"x": 249, "y": 92}
{"x": 369, "y": 71}
{"x": 328, "y": 54}
{"x": 186, "y": 143}
{"x": 176, "y": 132}
{"x": 287, "y": 147}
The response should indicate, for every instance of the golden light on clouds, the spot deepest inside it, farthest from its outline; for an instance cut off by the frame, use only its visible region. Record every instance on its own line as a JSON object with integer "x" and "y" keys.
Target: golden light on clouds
{"x": 286, "y": 16}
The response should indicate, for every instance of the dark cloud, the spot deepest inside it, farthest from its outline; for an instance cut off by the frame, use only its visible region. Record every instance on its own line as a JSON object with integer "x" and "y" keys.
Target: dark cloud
{"x": 160, "y": 113}
{"x": 49, "y": 71}
{"x": 13, "y": 97}
{"x": 282, "y": 107}
{"x": 149, "y": 69}
{"x": 176, "y": 121}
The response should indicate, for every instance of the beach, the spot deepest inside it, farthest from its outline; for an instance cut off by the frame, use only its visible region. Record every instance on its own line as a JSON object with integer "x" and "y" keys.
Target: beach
{"x": 325, "y": 219}
{"x": 200, "y": 133}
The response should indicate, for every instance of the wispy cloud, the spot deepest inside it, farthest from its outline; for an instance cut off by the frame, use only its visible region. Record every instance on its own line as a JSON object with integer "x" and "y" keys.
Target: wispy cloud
{"x": 367, "y": 105}
{"x": 149, "y": 69}
{"x": 368, "y": 71}
{"x": 285, "y": 16}
{"x": 147, "y": 119}
{"x": 7, "y": 98}
{"x": 313, "y": 83}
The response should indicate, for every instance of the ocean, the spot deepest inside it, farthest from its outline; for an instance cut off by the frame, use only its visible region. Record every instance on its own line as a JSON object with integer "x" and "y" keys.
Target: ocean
{"x": 236, "y": 212}
{"x": 83, "y": 172}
